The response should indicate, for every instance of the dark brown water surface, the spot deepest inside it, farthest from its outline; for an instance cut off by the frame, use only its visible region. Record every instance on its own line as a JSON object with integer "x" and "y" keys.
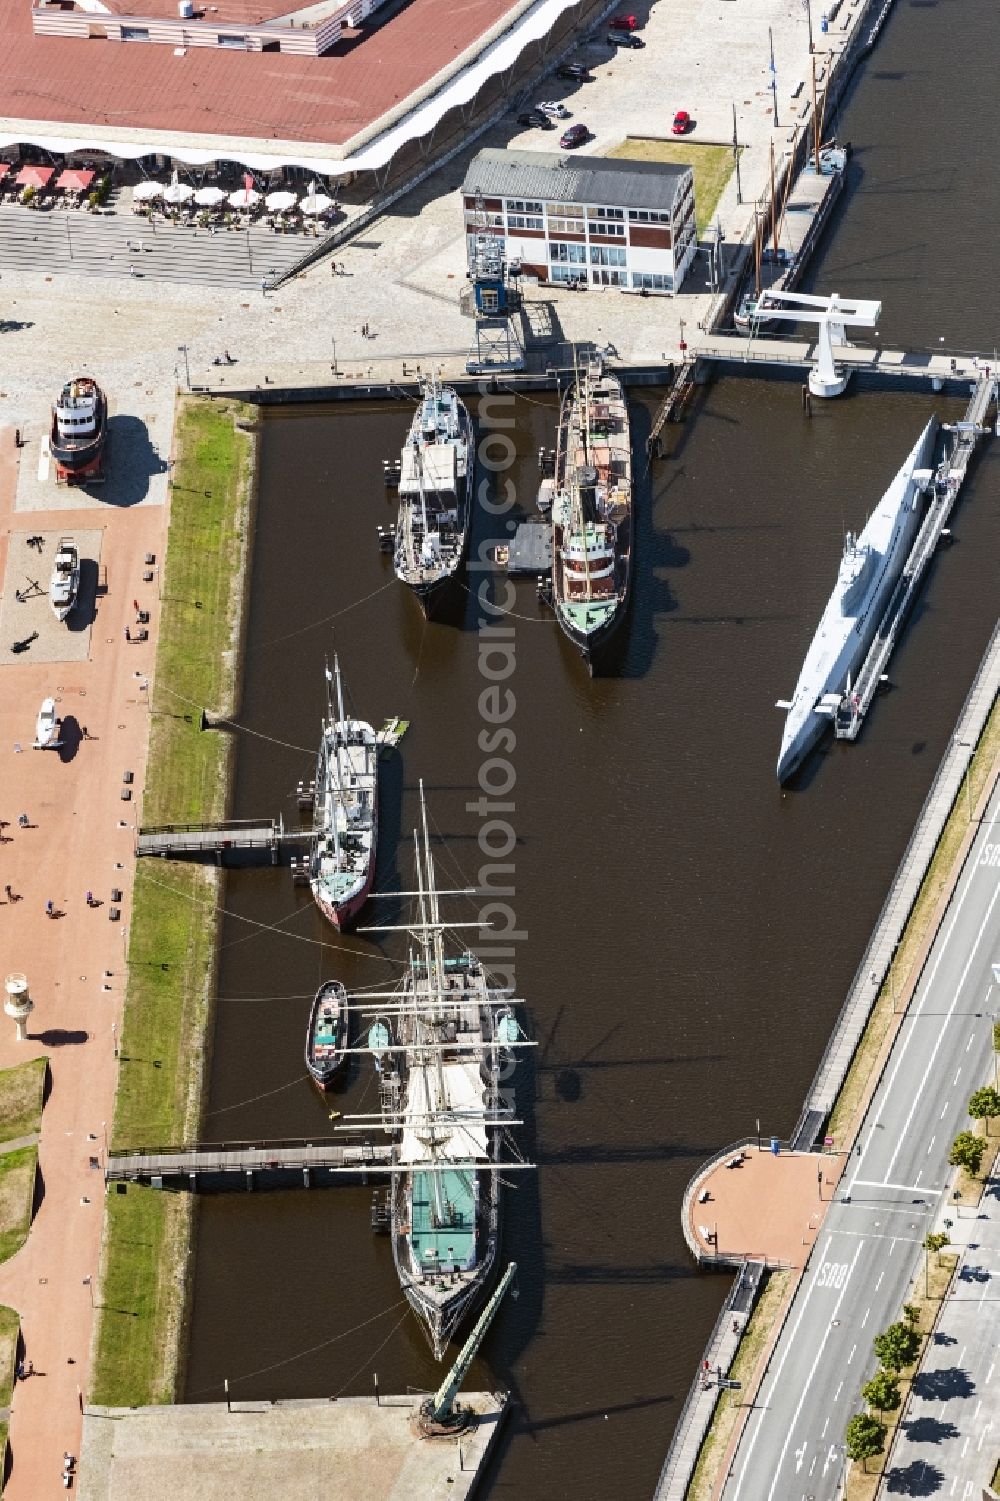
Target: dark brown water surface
{"x": 689, "y": 931}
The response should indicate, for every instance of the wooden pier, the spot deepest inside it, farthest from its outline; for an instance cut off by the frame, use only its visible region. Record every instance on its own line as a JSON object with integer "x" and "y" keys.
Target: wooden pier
{"x": 258, "y": 1164}
{"x": 855, "y": 704}
{"x": 174, "y": 839}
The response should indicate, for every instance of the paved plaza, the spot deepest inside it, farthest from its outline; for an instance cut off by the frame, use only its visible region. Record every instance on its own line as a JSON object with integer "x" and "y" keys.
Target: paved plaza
{"x": 136, "y": 459}
{"x": 29, "y": 629}
{"x": 761, "y": 1206}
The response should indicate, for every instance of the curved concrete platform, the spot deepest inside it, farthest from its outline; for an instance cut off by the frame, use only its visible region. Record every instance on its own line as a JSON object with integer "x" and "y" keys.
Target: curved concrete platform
{"x": 750, "y": 1204}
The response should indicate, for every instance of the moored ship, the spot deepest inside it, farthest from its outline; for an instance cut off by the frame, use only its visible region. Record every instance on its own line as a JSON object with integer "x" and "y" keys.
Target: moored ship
{"x": 869, "y": 570}
{"x": 79, "y": 430}
{"x": 345, "y": 817}
{"x": 592, "y": 510}
{"x": 437, "y": 471}
{"x": 64, "y": 586}
{"x": 326, "y": 1035}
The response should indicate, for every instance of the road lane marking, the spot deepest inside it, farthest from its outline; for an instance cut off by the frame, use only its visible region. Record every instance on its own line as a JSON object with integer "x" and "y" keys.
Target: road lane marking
{"x": 944, "y": 1112}
{"x": 879, "y": 1282}
{"x": 918, "y": 1092}
{"x": 851, "y": 1356}
{"x": 989, "y": 1375}
{"x": 777, "y": 1375}
{"x": 812, "y": 1371}
{"x": 965, "y": 1448}
{"x": 825, "y": 1427}
{"x": 978, "y": 1406}
{"x": 906, "y": 1188}
{"x": 931, "y": 1147}
{"x": 813, "y": 1465}
{"x": 837, "y": 1393}
{"x": 970, "y": 1042}
{"x": 941, "y": 944}
{"x": 956, "y": 1078}
{"x": 865, "y": 1319}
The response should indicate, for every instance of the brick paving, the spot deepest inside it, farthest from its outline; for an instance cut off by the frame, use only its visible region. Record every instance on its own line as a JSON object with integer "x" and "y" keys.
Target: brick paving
{"x": 57, "y": 640}
{"x": 764, "y": 1208}
{"x": 81, "y": 839}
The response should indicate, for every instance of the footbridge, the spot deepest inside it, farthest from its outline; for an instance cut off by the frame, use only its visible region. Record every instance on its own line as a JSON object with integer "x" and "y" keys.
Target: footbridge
{"x": 274, "y": 1164}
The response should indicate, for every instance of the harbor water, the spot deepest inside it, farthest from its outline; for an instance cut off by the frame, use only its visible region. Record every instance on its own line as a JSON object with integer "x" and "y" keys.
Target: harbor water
{"x": 685, "y": 932}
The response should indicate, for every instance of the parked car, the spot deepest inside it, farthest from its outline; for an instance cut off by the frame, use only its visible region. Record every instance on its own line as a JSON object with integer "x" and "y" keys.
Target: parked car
{"x": 625, "y": 39}
{"x": 534, "y": 117}
{"x": 554, "y": 108}
{"x": 624, "y": 23}
{"x": 575, "y": 136}
{"x": 576, "y": 72}
{"x": 682, "y": 123}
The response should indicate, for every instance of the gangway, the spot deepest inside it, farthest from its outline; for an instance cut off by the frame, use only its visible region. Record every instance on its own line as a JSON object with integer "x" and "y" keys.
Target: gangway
{"x": 947, "y": 481}
{"x": 216, "y": 838}
{"x": 834, "y": 315}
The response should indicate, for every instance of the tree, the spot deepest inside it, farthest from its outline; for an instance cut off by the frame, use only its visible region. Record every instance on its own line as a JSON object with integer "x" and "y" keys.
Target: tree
{"x": 967, "y": 1151}
{"x": 911, "y": 1315}
{"x": 882, "y": 1391}
{"x": 935, "y": 1243}
{"x": 984, "y": 1105}
{"x": 865, "y": 1437}
{"x": 897, "y": 1346}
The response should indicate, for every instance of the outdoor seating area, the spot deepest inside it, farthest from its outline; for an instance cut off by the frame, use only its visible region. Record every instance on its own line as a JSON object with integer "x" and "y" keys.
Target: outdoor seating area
{"x": 38, "y": 186}
{"x": 213, "y": 206}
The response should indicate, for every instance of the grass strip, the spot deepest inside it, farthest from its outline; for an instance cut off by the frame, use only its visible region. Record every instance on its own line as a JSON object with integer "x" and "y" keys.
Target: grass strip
{"x": 712, "y": 167}
{"x": 939, "y": 873}
{"x": 17, "y": 1194}
{"x": 174, "y": 919}
{"x": 21, "y": 1093}
{"x": 755, "y": 1336}
{"x": 10, "y": 1327}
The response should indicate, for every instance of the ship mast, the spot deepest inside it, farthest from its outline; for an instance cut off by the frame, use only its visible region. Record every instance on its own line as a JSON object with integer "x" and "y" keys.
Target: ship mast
{"x": 335, "y": 796}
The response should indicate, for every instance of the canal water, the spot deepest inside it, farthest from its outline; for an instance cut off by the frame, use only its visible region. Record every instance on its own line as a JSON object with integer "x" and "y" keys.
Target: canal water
{"x": 687, "y": 932}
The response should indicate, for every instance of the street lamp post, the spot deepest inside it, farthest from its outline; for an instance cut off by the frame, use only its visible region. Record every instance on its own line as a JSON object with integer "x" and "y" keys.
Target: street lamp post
{"x": 183, "y": 349}
{"x": 774, "y": 74}
{"x": 333, "y": 340}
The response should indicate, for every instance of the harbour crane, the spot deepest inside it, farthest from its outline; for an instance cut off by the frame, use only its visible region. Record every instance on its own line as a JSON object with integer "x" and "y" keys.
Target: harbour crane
{"x": 834, "y": 315}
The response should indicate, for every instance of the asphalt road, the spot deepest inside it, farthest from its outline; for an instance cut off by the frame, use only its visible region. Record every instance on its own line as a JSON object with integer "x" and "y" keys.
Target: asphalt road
{"x": 792, "y": 1447}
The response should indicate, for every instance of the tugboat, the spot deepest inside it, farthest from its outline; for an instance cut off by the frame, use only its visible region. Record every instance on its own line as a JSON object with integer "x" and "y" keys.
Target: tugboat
{"x": 436, "y": 475}
{"x": 64, "y": 586}
{"x": 592, "y": 511}
{"x": 79, "y": 430}
{"x": 327, "y": 1034}
{"x": 345, "y": 820}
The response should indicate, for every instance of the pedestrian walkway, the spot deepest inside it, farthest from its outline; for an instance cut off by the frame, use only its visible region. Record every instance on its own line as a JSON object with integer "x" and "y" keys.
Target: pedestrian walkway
{"x": 951, "y": 1427}
{"x": 62, "y": 240}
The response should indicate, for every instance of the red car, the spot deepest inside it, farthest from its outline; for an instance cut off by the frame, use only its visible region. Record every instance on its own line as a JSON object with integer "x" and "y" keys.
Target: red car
{"x": 575, "y": 136}
{"x": 624, "y": 23}
{"x": 682, "y": 123}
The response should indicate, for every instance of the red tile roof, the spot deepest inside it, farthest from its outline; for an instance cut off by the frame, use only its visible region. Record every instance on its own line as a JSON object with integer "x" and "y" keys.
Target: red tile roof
{"x": 219, "y": 91}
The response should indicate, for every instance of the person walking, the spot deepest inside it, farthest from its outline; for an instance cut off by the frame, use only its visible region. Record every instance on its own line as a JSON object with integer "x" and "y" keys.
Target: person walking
{"x": 50, "y": 910}
{"x": 22, "y": 820}
{"x": 90, "y": 898}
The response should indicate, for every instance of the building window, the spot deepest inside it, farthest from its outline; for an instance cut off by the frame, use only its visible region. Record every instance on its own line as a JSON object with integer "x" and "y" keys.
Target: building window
{"x": 606, "y": 255}
{"x": 523, "y": 206}
{"x": 563, "y": 254}
{"x": 647, "y": 216}
{"x": 565, "y": 226}
{"x": 477, "y": 221}
{"x": 523, "y": 221}
{"x": 135, "y": 34}
{"x": 239, "y": 42}
{"x": 652, "y": 281}
{"x": 609, "y": 231}
{"x": 605, "y": 213}
{"x": 567, "y": 273}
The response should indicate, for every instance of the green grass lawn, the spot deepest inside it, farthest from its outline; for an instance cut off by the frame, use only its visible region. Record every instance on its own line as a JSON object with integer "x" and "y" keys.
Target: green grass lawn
{"x": 145, "y": 1242}
{"x": 10, "y": 1324}
{"x": 712, "y": 167}
{"x": 174, "y": 919}
{"x": 17, "y": 1192}
{"x": 21, "y": 1090}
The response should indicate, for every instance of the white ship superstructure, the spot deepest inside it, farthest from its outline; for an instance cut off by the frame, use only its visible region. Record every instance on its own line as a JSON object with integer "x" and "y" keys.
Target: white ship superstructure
{"x": 437, "y": 468}
{"x": 345, "y": 819}
{"x": 871, "y": 564}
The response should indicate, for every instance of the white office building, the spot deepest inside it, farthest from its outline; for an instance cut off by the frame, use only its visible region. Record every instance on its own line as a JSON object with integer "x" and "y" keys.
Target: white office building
{"x": 604, "y": 220}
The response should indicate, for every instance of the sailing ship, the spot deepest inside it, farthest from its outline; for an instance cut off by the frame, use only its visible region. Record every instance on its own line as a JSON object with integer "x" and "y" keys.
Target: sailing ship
{"x": 345, "y": 816}
{"x": 64, "y": 586}
{"x": 326, "y": 1036}
{"x": 78, "y": 430}
{"x": 437, "y": 471}
{"x": 799, "y": 222}
{"x": 869, "y": 570}
{"x": 441, "y": 1103}
{"x": 592, "y": 511}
